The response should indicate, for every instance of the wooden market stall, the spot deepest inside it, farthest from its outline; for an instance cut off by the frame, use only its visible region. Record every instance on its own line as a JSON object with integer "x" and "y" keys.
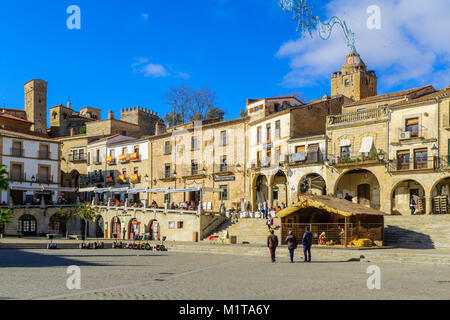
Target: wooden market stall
{"x": 333, "y": 221}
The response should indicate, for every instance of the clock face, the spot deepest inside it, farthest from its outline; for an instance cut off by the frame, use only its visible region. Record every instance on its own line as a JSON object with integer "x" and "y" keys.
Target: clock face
{"x": 350, "y": 61}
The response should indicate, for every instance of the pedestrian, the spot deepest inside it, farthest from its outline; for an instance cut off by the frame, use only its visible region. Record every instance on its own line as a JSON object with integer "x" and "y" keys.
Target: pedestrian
{"x": 348, "y": 197}
{"x": 307, "y": 244}
{"x": 272, "y": 244}
{"x": 265, "y": 209}
{"x": 124, "y": 233}
{"x": 268, "y": 223}
{"x": 412, "y": 206}
{"x": 291, "y": 241}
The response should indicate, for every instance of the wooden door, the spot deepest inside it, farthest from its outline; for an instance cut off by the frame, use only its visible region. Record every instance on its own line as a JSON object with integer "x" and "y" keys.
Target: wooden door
{"x": 364, "y": 194}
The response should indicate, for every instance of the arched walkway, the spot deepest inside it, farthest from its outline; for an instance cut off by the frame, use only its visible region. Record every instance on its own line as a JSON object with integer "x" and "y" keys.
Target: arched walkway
{"x": 133, "y": 229}
{"x": 360, "y": 186}
{"x": 279, "y": 188}
{"x": 312, "y": 183}
{"x": 440, "y": 193}
{"x": 100, "y": 227}
{"x": 155, "y": 230}
{"x": 27, "y": 226}
{"x": 402, "y": 194}
{"x": 57, "y": 226}
{"x": 116, "y": 228}
{"x": 260, "y": 191}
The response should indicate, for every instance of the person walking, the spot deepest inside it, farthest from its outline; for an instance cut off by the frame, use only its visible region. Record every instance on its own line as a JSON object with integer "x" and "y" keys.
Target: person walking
{"x": 291, "y": 241}
{"x": 272, "y": 244}
{"x": 307, "y": 244}
{"x": 412, "y": 206}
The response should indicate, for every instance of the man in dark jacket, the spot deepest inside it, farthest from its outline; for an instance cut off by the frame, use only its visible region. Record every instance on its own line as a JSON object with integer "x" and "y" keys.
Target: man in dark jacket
{"x": 291, "y": 241}
{"x": 272, "y": 244}
{"x": 307, "y": 244}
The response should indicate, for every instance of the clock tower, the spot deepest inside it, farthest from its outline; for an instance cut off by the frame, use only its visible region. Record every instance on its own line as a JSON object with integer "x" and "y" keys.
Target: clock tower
{"x": 36, "y": 104}
{"x": 354, "y": 81}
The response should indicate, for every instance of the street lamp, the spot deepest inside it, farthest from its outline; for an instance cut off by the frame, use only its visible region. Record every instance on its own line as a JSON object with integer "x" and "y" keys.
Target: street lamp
{"x": 381, "y": 155}
{"x": 435, "y": 152}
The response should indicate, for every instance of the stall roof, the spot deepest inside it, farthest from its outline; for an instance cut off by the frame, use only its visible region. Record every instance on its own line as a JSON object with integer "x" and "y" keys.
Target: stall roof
{"x": 331, "y": 204}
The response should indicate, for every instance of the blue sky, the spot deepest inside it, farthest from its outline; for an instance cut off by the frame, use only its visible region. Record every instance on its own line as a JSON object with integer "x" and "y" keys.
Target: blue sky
{"x": 131, "y": 53}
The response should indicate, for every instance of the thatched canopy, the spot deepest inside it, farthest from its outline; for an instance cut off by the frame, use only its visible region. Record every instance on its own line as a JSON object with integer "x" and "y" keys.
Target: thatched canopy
{"x": 330, "y": 204}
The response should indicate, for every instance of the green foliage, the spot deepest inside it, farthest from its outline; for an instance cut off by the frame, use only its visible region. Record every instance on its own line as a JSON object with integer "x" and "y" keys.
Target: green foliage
{"x": 215, "y": 113}
{"x": 5, "y": 218}
{"x": 86, "y": 212}
{"x": 83, "y": 130}
{"x": 244, "y": 113}
{"x": 4, "y": 180}
{"x": 173, "y": 118}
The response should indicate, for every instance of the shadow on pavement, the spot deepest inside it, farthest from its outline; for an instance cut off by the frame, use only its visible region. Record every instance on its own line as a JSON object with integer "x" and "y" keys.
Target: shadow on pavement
{"x": 25, "y": 259}
{"x": 407, "y": 239}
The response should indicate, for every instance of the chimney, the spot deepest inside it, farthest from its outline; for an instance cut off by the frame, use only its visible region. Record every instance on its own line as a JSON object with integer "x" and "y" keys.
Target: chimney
{"x": 69, "y": 104}
{"x": 110, "y": 115}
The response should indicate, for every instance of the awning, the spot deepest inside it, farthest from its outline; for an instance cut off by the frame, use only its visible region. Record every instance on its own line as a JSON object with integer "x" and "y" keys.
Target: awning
{"x": 345, "y": 143}
{"x": 87, "y": 189}
{"x": 367, "y": 145}
{"x": 196, "y": 189}
{"x": 40, "y": 188}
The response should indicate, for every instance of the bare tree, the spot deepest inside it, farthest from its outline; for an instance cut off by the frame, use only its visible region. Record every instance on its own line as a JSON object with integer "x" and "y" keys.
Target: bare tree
{"x": 203, "y": 101}
{"x": 180, "y": 101}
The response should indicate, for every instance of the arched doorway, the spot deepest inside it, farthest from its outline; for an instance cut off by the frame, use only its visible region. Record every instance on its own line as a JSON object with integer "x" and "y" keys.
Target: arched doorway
{"x": 313, "y": 183}
{"x": 133, "y": 229}
{"x": 100, "y": 227}
{"x": 57, "y": 226}
{"x": 27, "y": 226}
{"x": 279, "y": 189}
{"x": 261, "y": 192}
{"x": 359, "y": 186}
{"x": 441, "y": 196}
{"x": 155, "y": 230}
{"x": 116, "y": 227}
{"x": 402, "y": 194}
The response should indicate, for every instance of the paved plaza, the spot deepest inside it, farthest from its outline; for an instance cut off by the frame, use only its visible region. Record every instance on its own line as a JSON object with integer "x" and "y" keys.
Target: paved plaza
{"x": 124, "y": 274}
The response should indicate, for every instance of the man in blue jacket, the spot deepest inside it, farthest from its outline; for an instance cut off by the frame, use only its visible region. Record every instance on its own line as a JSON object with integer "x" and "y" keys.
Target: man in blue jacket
{"x": 307, "y": 244}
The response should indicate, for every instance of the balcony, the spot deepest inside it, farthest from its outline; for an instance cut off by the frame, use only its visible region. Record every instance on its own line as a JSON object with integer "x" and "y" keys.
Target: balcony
{"x": 397, "y": 165}
{"x": 97, "y": 161}
{"x": 110, "y": 180}
{"x": 77, "y": 157}
{"x": 111, "y": 160}
{"x": 95, "y": 179}
{"x": 44, "y": 155}
{"x": 356, "y": 160}
{"x": 135, "y": 179}
{"x": 44, "y": 179}
{"x": 17, "y": 152}
{"x": 304, "y": 158}
{"x": 134, "y": 157}
{"x": 193, "y": 172}
{"x": 122, "y": 179}
{"x": 18, "y": 177}
{"x": 223, "y": 169}
{"x": 124, "y": 158}
{"x": 360, "y": 116}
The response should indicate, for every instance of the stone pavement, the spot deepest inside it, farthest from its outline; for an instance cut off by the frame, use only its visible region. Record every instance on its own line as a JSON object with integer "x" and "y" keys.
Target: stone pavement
{"x": 376, "y": 255}
{"x": 127, "y": 274}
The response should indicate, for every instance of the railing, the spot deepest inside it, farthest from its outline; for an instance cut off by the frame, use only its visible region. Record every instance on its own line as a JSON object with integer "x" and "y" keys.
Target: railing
{"x": 20, "y": 178}
{"x": 166, "y": 175}
{"x": 373, "y": 114}
{"x": 111, "y": 160}
{"x": 44, "y": 155}
{"x": 311, "y": 157}
{"x": 17, "y": 152}
{"x": 97, "y": 160}
{"x": 45, "y": 180}
{"x": 77, "y": 157}
{"x": 95, "y": 179}
{"x": 333, "y": 233}
{"x": 398, "y": 165}
{"x": 355, "y": 159}
{"x": 222, "y": 168}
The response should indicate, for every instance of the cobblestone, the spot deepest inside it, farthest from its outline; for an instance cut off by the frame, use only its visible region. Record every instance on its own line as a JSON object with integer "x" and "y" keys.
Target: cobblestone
{"x": 132, "y": 275}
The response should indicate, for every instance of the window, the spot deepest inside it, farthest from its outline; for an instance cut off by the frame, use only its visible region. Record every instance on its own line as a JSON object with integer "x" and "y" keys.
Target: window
{"x": 17, "y": 149}
{"x": 224, "y": 194}
{"x": 112, "y": 153}
{"x": 167, "y": 148}
{"x": 89, "y": 158}
{"x": 194, "y": 143}
{"x": 345, "y": 152}
{"x": 124, "y": 150}
{"x": 412, "y": 125}
{"x": 223, "y": 164}
{"x": 258, "y": 157}
{"x": 421, "y": 159}
{"x": 194, "y": 168}
{"x": 97, "y": 156}
{"x": 180, "y": 225}
{"x": 403, "y": 160}
{"x": 258, "y": 135}
{"x": 44, "y": 174}
{"x": 277, "y": 129}
{"x": 275, "y": 194}
{"x": 276, "y": 107}
{"x": 136, "y": 170}
{"x": 44, "y": 151}
{"x": 167, "y": 171}
{"x": 223, "y": 138}
{"x": 269, "y": 154}
{"x": 347, "y": 83}
{"x": 269, "y": 132}
{"x": 17, "y": 172}
{"x": 277, "y": 154}
{"x": 136, "y": 149}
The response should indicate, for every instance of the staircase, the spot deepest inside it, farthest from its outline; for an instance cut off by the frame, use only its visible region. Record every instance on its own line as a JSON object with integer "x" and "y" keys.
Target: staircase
{"x": 419, "y": 232}
{"x": 253, "y": 231}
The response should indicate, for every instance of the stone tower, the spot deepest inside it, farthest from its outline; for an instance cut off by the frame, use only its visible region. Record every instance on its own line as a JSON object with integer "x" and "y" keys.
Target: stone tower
{"x": 148, "y": 120}
{"x": 36, "y": 104}
{"x": 354, "y": 81}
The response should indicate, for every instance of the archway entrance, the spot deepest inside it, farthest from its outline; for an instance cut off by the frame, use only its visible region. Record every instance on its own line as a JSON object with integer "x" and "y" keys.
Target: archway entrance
{"x": 100, "y": 227}
{"x": 56, "y": 226}
{"x": 359, "y": 186}
{"x": 441, "y": 196}
{"x": 27, "y": 226}
{"x": 402, "y": 195}
{"x": 279, "y": 189}
{"x": 261, "y": 192}
{"x": 133, "y": 229}
{"x": 116, "y": 227}
{"x": 313, "y": 184}
{"x": 155, "y": 231}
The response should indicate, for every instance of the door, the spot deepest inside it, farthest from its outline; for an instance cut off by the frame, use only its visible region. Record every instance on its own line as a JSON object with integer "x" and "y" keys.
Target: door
{"x": 115, "y": 228}
{"x": 27, "y": 226}
{"x": 364, "y": 194}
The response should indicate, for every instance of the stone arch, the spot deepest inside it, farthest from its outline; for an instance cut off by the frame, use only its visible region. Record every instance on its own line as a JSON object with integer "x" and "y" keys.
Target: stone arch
{"x": 362, "y": 185}
{"x": 57, "y": 226}
{"x": 99, "y": 226}
{"x": 27, "y": 225}
{"x": 260, "y": 190}
{"x": 401, "y": 194}
{"x": 313, "y": 182}
{"x": 279, "y": 186}
{"x": 116, "y": 228}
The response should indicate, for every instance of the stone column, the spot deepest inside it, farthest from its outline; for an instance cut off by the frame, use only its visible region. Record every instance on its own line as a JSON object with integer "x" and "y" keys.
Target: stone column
{"x": 429, "y": 205}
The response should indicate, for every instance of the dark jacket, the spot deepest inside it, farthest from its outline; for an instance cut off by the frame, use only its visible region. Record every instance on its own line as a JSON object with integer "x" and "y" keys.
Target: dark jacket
{"x": 272, "y": 241}
{"x": 307, "y": 239}
{"x": 291, "y": 242}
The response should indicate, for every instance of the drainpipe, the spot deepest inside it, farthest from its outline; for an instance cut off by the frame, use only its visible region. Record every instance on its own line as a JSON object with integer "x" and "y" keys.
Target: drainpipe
{"x": 438, "y": 160}
{"x": 388, "y": 153}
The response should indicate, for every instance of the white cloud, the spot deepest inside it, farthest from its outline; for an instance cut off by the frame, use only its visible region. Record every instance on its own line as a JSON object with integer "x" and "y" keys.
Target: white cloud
{"x": 142, "y": 65}
{"x": 412, "y": 44}
{"x": 145, "y": 16}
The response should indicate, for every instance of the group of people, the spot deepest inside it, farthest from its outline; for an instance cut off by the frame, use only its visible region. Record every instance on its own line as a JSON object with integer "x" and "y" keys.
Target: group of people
{"x": 291, "y": 240}
{"x": 265, "y": 210}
